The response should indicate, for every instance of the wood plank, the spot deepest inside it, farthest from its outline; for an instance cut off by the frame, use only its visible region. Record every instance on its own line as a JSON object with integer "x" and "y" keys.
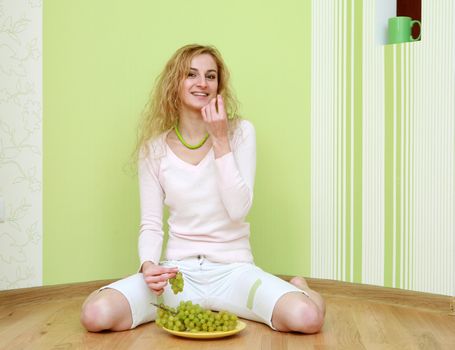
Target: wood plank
{"x": 427, "y": 301}
{"x": 432, "y": 302}
{"x": 357, "y": 318}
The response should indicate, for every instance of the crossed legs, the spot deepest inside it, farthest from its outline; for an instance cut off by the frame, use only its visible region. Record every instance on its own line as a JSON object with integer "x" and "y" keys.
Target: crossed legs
{"x": 108, "y": 309}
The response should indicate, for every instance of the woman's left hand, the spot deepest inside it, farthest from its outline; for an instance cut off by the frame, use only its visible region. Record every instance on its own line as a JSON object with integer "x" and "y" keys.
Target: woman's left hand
{"x": 216, "y": 120}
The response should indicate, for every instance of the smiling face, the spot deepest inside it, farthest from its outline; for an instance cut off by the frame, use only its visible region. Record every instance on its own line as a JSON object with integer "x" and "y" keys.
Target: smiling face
{"x": 200, "y": 84}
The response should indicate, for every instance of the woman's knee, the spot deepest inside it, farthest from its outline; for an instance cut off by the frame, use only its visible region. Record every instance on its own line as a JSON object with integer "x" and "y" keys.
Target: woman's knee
{"x": 109, "y": 310}
{"x": 298, "y": 315}
{"x": 309, "y": 318}
{"x": 95, "y": 315}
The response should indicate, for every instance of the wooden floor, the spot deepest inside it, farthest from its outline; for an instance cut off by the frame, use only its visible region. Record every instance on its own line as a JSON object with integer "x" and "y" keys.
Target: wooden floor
{"x": 358, "y": 317}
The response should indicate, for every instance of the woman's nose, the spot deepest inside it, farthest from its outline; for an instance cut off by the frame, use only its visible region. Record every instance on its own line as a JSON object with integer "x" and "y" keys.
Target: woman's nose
{"x": 202, "y": 81}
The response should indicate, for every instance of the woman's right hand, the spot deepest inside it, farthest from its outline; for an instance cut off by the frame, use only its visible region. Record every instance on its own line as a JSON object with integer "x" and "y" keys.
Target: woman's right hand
{"x": 156, "y": 276}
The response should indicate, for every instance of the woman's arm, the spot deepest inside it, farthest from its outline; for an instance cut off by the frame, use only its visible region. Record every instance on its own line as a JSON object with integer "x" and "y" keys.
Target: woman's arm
{"x": 236, "y": 163}
{"x": 151, "y": 201}
{"x": 236, "y": 171}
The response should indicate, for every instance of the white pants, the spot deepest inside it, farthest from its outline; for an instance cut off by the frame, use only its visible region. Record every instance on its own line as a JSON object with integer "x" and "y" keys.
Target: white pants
{"x": 241, "y": 288}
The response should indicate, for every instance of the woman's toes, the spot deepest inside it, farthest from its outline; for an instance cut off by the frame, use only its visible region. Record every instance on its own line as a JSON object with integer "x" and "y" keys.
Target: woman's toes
{"x": 299, "y": 282}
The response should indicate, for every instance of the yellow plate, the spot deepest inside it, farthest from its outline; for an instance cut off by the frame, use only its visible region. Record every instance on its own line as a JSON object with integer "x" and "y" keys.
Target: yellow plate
{"x": 208, "y": 335}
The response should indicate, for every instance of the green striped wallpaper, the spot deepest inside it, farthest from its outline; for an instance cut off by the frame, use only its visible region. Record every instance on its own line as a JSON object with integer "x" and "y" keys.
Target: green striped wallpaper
{"x": 384, "y": 214}
{"x": 398, "y": 166}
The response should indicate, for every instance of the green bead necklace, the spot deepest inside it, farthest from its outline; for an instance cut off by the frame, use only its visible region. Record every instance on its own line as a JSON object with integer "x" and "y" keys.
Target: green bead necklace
{"x": 184, "y": 143}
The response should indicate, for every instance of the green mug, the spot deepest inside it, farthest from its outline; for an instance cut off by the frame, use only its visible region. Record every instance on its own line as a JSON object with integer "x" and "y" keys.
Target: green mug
{"x": 399, "y": 30}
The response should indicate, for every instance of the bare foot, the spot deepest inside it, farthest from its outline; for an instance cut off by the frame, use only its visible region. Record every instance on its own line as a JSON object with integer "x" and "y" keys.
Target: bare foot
{"x": 299, "y": 282}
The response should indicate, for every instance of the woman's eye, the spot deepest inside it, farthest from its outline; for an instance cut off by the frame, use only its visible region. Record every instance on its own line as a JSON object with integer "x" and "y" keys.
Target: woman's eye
{"x": 211, "y": 77}
{"x": 191, "y": 75}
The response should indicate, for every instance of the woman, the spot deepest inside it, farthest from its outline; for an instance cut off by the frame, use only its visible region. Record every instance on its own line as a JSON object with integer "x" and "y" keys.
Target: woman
{"x": 200, "y": 163}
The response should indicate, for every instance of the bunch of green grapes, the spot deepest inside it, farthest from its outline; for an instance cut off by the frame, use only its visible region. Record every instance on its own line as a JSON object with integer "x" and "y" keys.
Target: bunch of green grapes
{"x": 189, "y": 317}
{"x": 177, "y": 283}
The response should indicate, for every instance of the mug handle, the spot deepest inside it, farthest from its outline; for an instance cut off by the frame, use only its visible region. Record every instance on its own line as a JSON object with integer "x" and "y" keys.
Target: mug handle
{"x": 420, "y": 28}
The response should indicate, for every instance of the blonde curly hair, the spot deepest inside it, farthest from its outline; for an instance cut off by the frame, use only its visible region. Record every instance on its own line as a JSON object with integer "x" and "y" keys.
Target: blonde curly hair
{"x": 161, "y": 113}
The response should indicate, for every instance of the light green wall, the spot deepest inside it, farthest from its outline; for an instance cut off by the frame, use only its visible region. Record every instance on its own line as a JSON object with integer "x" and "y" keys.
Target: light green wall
{"x": 100, "y": 59}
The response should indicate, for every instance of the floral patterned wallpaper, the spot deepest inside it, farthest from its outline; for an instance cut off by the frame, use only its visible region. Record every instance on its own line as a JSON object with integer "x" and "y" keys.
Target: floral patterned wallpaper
{"x": 21, "y": 143}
